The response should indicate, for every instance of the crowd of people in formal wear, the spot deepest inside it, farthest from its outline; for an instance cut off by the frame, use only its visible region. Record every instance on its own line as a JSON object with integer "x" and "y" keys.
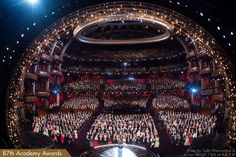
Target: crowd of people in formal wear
{"x": 183, "y": 127}
{"x": 61, "y": 127}
{"x": 81, "y": 103}
{"x": 163, "y": 102}
{"x": 125, "y": 86}
{"x": 85, "y": 85}
{"x": 123, "y": 128}
{"x": 133, "y": 102}
{"x": 165, "y": 84}
{"x": 54, "y": 105}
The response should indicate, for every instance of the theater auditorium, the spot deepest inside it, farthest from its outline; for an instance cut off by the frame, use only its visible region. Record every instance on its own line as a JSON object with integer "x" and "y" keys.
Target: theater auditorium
{"x": 118, "y": 78}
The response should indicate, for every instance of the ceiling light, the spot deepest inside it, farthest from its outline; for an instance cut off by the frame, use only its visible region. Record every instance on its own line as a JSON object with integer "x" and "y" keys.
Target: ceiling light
{"x": 33, "y": 1}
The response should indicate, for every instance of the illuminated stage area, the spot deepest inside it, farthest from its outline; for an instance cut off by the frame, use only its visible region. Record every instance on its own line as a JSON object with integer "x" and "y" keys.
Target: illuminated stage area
{"x": 116, "y": 150}
{"x": 122, "y": 79}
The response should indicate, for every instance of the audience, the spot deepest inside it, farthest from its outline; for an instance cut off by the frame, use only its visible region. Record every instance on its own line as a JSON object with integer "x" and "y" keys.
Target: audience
{"x": 166, "y": 84}
{"x": 81, "y": 103}
{"x": 134, "y": 102}
{"x": 86, "y": 85}
{"x": 60, "y": 126}
{"x": 184, "y": 127}
{"x": 130, "y": 128}
{"x": 125, "y": 86}
{"x": 162, "y": 102}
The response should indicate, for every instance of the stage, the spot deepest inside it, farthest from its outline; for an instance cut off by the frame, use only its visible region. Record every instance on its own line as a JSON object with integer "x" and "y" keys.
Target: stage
{"x": 116, "y": 150}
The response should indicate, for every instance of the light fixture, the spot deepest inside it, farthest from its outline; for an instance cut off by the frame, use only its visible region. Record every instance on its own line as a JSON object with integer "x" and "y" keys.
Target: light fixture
{"x": 33, "y": 2}
{"x": 218, "y": 27}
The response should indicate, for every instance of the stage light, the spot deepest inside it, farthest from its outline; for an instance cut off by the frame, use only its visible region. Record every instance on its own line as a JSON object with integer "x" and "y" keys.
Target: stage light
{"x": 125, "y": 63}
{"x": 194, "y": 90}
{"x": 33, "y": 2}
{"x": 131, "y": 78}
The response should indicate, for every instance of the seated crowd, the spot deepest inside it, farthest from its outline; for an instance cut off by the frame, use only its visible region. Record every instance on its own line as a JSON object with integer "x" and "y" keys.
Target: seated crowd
{"x": 81, "y": 103}
{"x": 127, "y": 128}
{"x": 184, "y": 127}
{"x": 82, "y": 86}
{"x": 140, "y": 102}
{"x": 166, "y": 84}
{"x": 122, "y": 86}
{"x": 60, "y": 126}
{"x": 54, "y": 105}
{"x": 169, "y": 102}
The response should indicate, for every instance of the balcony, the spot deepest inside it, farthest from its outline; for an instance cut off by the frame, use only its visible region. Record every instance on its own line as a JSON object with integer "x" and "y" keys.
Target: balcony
{"x": 44, "y": 74}
{"x": 190, "y": 55}
{"x": 207, "y": 92}
{"x": 57, "y": 49}
{"x": 20, "y": 104}
{"x": 43, "y": 94}
{"x": 30, "y": 99}
{"x": 58, "y": 58}
{"x": 205, "y": 71}
{"x": 46, "y": 57}
{"x": 218, "y": 97}
{"x": 202, "y": 54}
{"x": 31, "y": 76}
{"x": 193, "y": 70}
{"x": 216, "y": 73}
{"x": 56, "y": 72}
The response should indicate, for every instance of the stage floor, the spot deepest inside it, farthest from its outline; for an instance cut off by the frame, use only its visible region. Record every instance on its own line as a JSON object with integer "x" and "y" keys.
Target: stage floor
{"x": 115, "y": 150}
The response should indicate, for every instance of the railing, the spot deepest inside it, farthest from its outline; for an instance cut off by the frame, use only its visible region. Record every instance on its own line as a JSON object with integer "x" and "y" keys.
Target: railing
{"x": 56, "y": 72}
{"x": 207, "y": 92}
{"x": 30, "y": 99}
{"x": 31, "y": 76}
{"x": 44, "y": 74}
{"x": 43, "y": 94}
{"x": 193, "y": 70}
{"x": 205, "y": 71}
{"x": 46, "y": 57}
{"x": 58, "y": 58}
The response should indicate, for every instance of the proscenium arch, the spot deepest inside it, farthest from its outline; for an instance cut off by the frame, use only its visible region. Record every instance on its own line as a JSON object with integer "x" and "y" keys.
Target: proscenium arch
{"x": 182, "y": 28}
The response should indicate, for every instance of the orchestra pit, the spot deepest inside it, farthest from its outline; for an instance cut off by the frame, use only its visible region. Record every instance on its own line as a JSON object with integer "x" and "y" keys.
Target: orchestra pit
{"x": 123, "y": 79}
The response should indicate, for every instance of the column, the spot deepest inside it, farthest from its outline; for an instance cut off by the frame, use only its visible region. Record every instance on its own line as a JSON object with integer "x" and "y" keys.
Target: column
{"x": 34, "y": 88}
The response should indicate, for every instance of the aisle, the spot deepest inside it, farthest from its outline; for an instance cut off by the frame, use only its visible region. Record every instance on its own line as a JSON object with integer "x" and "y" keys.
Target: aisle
{"x": 166, "y": 148}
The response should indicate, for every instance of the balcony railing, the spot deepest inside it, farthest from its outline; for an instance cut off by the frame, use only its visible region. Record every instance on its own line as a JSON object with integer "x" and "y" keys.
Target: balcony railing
{"x": 43, "y": 94}
{"x": 58, "y": 58}
{"x": 56, "y": 72}
{"x": 44, "y": 74}
{"x": 205, "y": 71}
{"x": 46, "y": 57}
{"x": 193, "y": 70}
{"x": 31, "y": 76}
{"x": 207, "y": 92}
{"x": 30, "y": 99}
